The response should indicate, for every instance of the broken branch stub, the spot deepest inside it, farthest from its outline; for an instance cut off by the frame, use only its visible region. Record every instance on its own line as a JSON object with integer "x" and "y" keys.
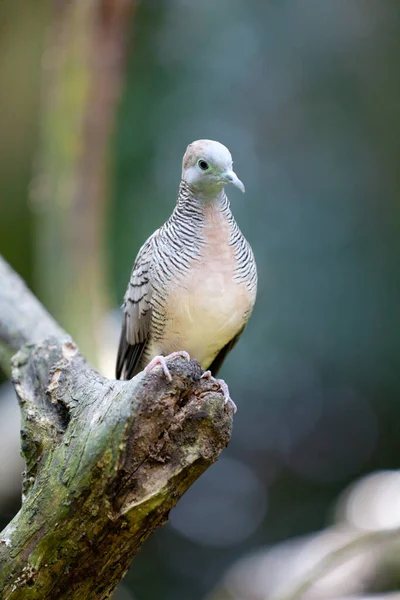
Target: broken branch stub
{"x": 106, "y": 461}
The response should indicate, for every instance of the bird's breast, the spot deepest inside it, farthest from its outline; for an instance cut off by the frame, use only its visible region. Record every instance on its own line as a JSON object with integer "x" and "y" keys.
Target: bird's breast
{"x": 208, "y": 306}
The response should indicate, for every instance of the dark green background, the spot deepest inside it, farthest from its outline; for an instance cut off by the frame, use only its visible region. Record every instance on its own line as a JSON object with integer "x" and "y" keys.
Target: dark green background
{"x": 306, "y": 96}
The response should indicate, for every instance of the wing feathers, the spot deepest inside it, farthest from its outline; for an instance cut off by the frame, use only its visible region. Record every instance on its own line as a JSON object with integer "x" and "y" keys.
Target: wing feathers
{"x": 137, "y": 313}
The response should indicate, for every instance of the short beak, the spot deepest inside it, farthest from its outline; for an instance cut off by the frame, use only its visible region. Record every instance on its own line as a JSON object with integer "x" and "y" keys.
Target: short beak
{"x": 231, "y": 177}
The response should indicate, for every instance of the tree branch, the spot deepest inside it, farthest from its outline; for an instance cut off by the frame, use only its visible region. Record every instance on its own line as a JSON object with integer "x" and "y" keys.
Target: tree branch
{"x": 106, "y": 460}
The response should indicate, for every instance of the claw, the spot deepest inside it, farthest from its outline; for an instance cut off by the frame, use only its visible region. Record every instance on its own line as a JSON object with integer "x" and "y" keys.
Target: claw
{"x": 223, "y": 386}
{"x": 162, "y": 361}
{"x": 207, "y": 375}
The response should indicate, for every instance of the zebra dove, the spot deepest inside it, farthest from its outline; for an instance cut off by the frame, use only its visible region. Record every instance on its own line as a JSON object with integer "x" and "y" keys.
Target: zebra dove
{"x": 194, "y": 281}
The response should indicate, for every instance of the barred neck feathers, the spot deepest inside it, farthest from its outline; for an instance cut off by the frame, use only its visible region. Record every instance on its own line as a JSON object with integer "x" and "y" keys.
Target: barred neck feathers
{"x": 190, "y": 204}
{"x": 184, "y": 230}
{"x": 209, "y": 213}
{"x": 192, "y": 216}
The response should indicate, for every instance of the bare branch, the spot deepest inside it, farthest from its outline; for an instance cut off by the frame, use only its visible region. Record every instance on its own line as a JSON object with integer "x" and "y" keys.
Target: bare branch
{"x": 106, "y": 460}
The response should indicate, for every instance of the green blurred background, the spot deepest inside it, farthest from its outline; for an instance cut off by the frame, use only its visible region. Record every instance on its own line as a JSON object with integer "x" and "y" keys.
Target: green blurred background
{"x": 306, "y": 96}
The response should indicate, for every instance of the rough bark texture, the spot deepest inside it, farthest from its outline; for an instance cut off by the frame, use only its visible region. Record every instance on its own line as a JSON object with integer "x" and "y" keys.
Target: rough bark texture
{"x": 105, "y": 460}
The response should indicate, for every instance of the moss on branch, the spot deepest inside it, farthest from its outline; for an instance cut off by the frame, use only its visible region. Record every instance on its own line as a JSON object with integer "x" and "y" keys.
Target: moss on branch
{"x": 106, "y": 461}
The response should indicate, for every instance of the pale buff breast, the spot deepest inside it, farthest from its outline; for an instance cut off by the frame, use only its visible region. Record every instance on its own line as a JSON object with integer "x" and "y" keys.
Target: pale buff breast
{"x": 207, "y": 308}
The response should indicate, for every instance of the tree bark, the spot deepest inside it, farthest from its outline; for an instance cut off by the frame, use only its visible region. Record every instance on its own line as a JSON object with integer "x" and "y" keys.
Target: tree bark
{"x": 105, "y": 460}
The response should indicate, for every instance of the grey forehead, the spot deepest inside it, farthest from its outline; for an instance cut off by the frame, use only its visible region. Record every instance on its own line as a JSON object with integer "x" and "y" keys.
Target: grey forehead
{"x": 213, "y": 152}
{"x": 217, "y": 155}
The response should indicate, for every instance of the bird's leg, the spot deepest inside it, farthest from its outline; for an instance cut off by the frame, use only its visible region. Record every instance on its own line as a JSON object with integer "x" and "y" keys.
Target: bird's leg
{"x": 162, "y": 360}
{"x": 223, "y": 386}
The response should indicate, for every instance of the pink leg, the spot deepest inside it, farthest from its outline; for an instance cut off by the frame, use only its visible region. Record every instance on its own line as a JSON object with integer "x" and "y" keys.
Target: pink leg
{"x": 224, "y": 388}
{"x": 162, "y": 360}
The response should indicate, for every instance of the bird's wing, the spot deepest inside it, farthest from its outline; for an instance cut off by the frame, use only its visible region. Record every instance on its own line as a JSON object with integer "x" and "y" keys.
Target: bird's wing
{"x": 222, "y": 354}
{"x": 136, "y": 318}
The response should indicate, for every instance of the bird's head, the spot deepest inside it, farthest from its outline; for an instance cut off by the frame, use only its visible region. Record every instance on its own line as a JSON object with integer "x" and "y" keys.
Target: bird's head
{"x": 207, "y": 167}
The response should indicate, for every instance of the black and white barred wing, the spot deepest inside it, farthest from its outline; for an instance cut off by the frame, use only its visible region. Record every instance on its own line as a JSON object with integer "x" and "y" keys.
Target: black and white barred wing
{"x": 136, "y": 318}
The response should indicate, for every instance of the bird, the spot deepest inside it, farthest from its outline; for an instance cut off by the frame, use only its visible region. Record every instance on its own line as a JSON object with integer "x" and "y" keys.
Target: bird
{"x": 193, "y": 284}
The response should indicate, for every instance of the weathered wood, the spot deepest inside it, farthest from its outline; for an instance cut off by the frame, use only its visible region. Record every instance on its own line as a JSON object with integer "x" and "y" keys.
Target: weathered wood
{"x": 106, "y": 460}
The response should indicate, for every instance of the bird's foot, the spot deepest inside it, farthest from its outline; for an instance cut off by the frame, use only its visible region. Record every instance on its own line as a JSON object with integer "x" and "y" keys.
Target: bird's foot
{"x": 162, "y": 361}
{"x": 223, "y": 386}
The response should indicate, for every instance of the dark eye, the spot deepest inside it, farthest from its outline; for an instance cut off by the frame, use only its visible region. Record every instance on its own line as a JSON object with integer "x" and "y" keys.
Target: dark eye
{"x": 202, "y": 164}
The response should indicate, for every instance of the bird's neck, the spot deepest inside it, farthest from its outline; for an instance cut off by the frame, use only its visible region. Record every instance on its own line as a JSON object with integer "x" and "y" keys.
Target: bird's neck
{"x": 191, "y": 203}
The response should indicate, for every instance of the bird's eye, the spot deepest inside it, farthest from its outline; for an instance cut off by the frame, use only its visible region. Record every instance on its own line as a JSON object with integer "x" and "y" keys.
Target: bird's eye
{"x": 202, "y": 164}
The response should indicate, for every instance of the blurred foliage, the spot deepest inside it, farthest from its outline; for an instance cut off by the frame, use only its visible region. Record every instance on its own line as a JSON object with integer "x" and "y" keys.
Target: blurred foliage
{"x": 21, "y": 45}
{"x": 305, "y": 95}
